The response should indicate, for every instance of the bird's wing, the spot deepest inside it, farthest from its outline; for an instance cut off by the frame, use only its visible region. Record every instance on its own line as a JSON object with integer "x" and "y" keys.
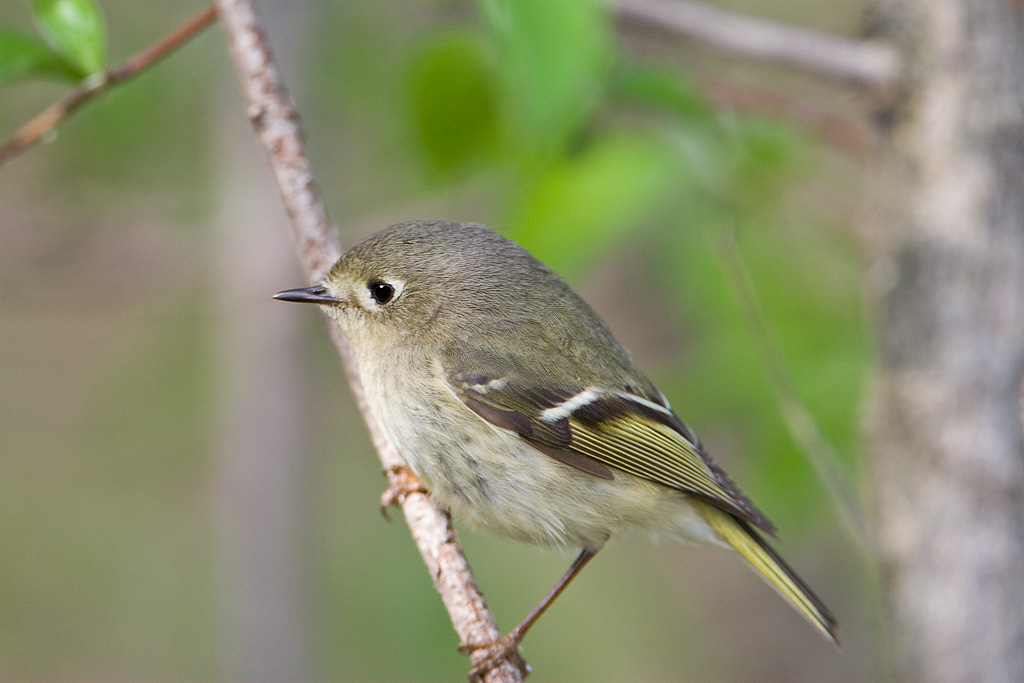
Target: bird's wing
{"x": 600, "y": 430}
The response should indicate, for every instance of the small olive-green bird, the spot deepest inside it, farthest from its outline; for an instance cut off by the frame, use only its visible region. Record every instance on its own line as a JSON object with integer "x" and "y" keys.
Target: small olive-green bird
{"x": 511, "y": 401}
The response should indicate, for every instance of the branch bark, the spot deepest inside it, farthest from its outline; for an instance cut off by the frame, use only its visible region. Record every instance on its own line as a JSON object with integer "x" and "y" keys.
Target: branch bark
{"x": 856, "y": 62}
{"x": 277, "y": 126}
{"x": 946, "y": 434}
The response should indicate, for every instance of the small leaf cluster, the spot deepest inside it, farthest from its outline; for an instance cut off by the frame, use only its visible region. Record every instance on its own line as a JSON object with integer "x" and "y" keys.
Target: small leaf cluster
{"x": 72, "y": 46}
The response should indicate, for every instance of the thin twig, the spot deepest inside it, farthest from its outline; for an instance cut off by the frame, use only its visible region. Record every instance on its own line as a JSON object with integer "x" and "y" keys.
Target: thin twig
{"x": 839, "y": 132}
{"x": 277, "y": 125}
{"x": 48, "y": 119}
{"x": 820, "y": 453}
{"x": 860, "y": 63}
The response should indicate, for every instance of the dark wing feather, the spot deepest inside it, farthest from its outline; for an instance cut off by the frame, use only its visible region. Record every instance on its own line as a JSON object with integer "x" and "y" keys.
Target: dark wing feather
{"x": 547, "y": 441}
{"x": 614, "y": 430}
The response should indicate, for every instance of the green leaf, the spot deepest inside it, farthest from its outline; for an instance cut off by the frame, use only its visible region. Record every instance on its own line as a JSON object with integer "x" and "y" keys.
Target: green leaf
{"x": 454, "y": 104}
{"x": 691, "y": 126}
{"x": 658, "y": 89}
{"x": 75, "y": 28}
{"x": 582, "y": 205}
{"x": 22, "y": 56}
{"x": 763, "y": 156}
{"x": 555, "y": 55}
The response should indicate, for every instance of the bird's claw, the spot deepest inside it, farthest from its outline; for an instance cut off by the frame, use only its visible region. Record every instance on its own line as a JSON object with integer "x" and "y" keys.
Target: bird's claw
{"x": 403, "y": 482}
{"x": 504, "y": 649}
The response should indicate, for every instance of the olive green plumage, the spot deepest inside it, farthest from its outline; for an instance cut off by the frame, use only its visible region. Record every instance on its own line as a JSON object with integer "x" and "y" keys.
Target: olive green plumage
{"x": 513, "y": 403}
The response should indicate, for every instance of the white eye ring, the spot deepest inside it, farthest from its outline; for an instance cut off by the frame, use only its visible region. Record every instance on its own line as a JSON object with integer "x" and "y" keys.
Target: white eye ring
{"x": 380, "y": 292}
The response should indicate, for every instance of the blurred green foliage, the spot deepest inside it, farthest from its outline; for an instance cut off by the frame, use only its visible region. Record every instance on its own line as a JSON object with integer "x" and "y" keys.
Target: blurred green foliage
{"x": 454, "y": 103}
{"x": 533, "y": 116}
{"x": 598, "y": 152}
{"x": 553, "y": 56}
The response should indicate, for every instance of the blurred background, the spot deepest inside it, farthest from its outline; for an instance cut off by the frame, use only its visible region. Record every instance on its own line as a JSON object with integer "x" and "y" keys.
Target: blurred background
{"x": 186, "y": 489}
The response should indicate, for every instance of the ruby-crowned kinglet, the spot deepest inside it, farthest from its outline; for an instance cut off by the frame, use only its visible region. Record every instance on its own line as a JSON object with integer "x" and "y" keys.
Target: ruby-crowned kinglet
{"x": 511, "y": 401}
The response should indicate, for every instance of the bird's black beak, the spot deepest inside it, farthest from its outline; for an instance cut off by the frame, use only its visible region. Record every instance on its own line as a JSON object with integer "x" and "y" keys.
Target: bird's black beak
{"x": 308, "y": 295}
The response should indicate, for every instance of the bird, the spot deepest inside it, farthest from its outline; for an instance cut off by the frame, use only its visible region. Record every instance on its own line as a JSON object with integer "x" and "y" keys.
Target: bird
{"x": 512, "y": 402}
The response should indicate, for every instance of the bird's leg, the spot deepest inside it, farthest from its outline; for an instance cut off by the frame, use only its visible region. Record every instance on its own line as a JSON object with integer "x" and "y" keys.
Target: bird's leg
{"x": 506, "y": 647}
{"x": 403, "y": 482}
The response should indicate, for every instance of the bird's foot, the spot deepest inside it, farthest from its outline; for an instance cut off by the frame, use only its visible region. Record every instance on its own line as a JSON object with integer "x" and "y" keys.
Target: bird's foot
{"x": 504, "y": 649}
{"x": 403, "y": 482}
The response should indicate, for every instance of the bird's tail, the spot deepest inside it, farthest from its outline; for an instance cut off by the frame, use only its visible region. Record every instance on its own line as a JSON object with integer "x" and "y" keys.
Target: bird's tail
{"x": 749, "y": 544}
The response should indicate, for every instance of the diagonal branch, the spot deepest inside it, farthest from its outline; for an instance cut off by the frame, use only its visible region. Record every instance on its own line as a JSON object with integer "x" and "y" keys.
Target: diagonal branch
{"x": 48, "y": 119}
{"x": 842, "y": 133}
{"x": 277, "y": 126}
{"x": 860, "y": 63}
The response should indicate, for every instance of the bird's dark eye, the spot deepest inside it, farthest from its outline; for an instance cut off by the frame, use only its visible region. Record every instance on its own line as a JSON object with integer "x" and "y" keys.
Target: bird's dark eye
{"x": 382, "y": 292}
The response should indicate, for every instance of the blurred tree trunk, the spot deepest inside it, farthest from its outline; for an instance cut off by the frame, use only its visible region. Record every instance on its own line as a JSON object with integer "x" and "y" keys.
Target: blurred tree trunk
{"x": 259, "y": 483}
{"x": 948, "y": 282}
{"x": 261, "y": 472}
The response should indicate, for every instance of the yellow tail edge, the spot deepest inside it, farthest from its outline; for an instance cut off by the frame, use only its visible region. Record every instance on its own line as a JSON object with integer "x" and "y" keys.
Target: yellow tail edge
{"x": 759, "y": 555}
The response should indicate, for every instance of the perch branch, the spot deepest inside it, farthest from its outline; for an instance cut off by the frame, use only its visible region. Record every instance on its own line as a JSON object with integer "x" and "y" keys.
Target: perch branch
{"x": 277, "y": 126}
{"x": 48, "y": 119}
{"x": 858, "y": 62}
